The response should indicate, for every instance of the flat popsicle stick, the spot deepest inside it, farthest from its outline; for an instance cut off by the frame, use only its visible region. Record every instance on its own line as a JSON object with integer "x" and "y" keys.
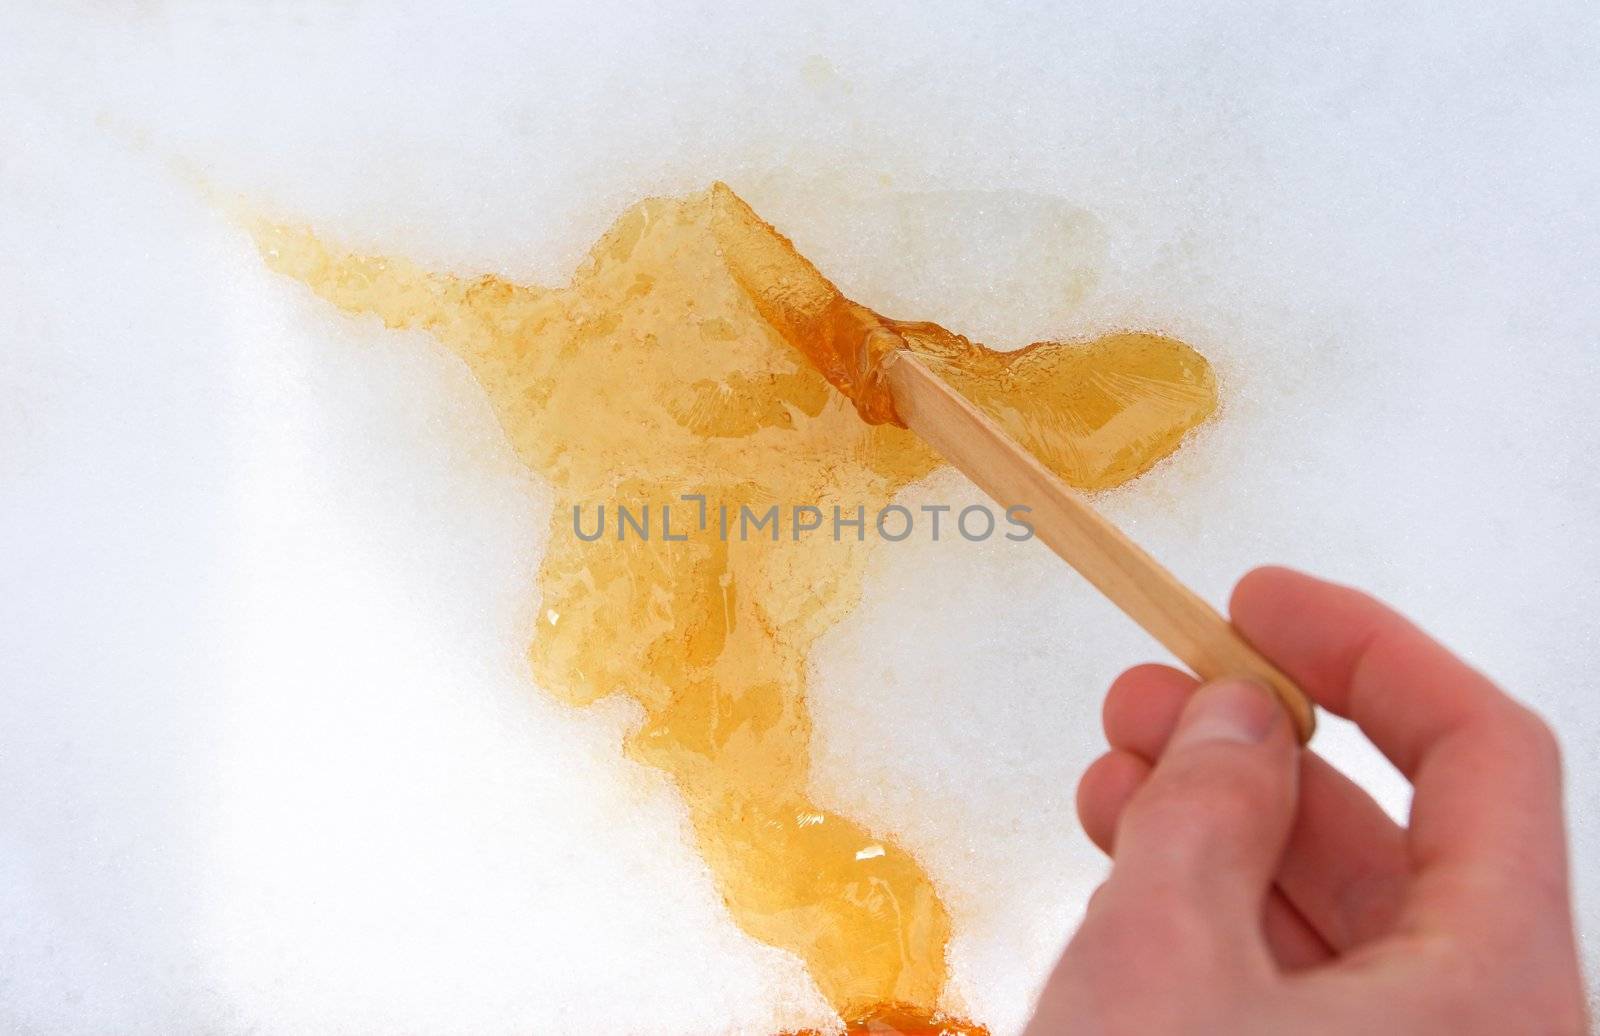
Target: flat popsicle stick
{"x": 1119, "y": 568}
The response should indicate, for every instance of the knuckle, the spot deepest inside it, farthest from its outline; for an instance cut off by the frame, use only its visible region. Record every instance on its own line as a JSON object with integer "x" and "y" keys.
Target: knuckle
{"x": 1160, "y": 929}
{"x": 1523, "y": 735}
{"x": 1542, "y": 743}
{"x": 1205, "y": 804}
{"x": 1223, "y": 809}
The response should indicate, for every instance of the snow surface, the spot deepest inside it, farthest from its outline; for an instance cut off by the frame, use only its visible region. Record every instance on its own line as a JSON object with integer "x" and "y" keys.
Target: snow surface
{"x": 270, "y": 760}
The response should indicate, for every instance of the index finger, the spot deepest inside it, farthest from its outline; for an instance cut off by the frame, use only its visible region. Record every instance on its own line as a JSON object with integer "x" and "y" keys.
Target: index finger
{"x": 1486, "y": 817}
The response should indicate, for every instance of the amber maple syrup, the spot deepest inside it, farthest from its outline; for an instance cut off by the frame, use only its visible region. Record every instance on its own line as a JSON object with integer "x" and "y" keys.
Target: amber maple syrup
{"x": 696, "y": 354}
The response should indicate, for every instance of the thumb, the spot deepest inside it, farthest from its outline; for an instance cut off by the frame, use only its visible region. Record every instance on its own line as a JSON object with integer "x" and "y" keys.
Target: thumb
{"x": 1201, "y": 840}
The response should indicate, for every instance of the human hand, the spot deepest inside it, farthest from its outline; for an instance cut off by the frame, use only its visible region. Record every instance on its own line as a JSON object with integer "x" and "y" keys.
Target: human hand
{"x": 1254, "y": 888}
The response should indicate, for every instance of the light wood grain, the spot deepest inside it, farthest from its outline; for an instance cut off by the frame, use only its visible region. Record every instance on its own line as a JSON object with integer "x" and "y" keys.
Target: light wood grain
{"x": 1116, "y": 566}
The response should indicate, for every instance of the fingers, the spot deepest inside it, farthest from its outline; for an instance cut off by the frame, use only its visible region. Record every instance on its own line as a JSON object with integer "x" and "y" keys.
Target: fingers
{"x": 1103, "y": 792}
{"x": 1107, "y": 786}
{"x": 1359, "y": 659}
{"x": 1345, "y": 867}
{"x": 1142, "y": 707}
{"x": 1199, "y": 841}
{"x": 1486, "y": 823}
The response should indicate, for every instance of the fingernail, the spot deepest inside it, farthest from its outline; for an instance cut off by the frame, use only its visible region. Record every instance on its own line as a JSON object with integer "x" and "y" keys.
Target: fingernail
{"x": 1231, "y": 709}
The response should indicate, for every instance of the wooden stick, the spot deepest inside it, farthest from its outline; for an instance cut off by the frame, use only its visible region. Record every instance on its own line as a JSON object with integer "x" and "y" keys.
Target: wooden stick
{"x": 1133, "y": 580}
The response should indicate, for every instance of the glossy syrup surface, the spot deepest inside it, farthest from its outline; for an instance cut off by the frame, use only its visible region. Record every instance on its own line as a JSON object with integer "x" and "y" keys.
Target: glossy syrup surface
{"x": 688, "y": 356}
